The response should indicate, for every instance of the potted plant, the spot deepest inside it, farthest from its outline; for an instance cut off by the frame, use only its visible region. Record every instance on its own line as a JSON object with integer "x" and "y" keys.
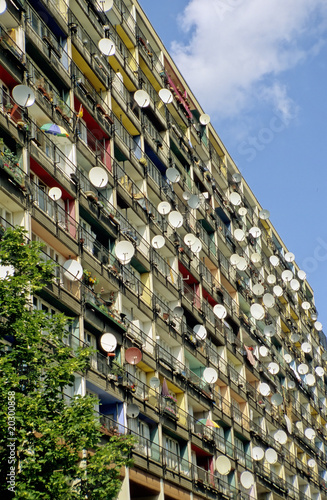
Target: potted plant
{"x": 90, "y": 280}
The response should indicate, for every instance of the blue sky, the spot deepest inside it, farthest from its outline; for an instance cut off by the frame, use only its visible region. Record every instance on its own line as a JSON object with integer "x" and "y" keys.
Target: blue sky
{"x": 259, "y": 69}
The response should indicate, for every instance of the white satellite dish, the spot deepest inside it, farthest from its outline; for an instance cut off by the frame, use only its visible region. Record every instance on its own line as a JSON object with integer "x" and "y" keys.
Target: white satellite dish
{"x": 318, "y": 326}
{"x": 269, "y": 330}
{"x": 55, "y": 193}
{"x": 288, "y": 424}
{"x": 6, "y": 272}
{"x": 189, "y": 239}
{"x": 291, "y": 385}
{"x": 132, "y": 411}
{"x": 274, "y": 260}
{"x": 271, "y": 279}
{"x": 234, "y": 259}
{"x": 258, "y": 289}
{"x": 289, "y": 257}
{"x": 239, "y": 235}
{"x": 278, "y": 291}
{"x": 3, "y": 6}
{"x": 166, "y": 96}
{"x": 306, "y": 347}
{"x": 223, "y": 465}
{"x": 210, "y": 375}
{"x": 288, "y": 358}
{"x": 287, "y": 275}
{"x": 242, "y": 211}
{"x": 271, "y": 456}
{"x": 142, "y": 98}
{"x": 124, "y": 251}
{"x": 264, "y": 389}
{"x": 98, "y": 177}
{"x": 73, "y": 270}
{"x": 264, "y": 214}
{"x": 158, "y": 241}
{"x": 295, "y": 285}
{"x": 311, "y": 463}
{"x": 295, "y": 337}
{"x": 305, "y": 305}
{"x": 197, "y": 246}
{"x": 237, "y": 177}
{"x": 268, "y": 300}
{"x": 175, "y": 218}
{"x": 256, "y": 258}
{"x": 107, "y": 46}
{"x": 194, "y": 201}
{"x": 105, "y": 4}
{"x": 164, "y": 208}
{"x": 310, "y": 379}
{"x": 299, "y": 425}
{"x": 186, "y": 195}
{"x": 154, "y": 382}
{"x": 263, "y": 351}
{"x": 257, "y": 311}
{"x": 277, "y": 399}
{"x": 173, "y": 174}
{"x": 242, "y": 264}
{"x": 310, "y": 433}
{"x": 247, "y": 479}
{"x": 108, "y": 342}
{"x": 255, "y": 232}
{"x": 178, "y": 312}
{"x": 301, "y": 275}
{"x": 23, "y": 96}
{"x": 320, "y": 371}
{"x": 235, "y": 199}
{"x": 273, "y": 368}
{"x": 257, "y": 453}
{"x": 220, "y": 311}
{"x": 303, "y": 369}
{"x": 200, "y": 332}
{"x": 204, "y": 119}
{"x": 314, "y": 316}
{"x": 280, "y": 436}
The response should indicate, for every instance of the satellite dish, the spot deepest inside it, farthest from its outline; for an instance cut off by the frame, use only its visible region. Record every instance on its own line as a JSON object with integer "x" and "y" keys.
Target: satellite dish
{"x": 133, "y": 355}
{"x": 107, "y": 46}
{"x": 299, "y": 425}
{"x": 271, "y": 456}
{"x": 23, "y": 95}
{"x": 124, "y": 251}
{"x": 242, "y": 264}
{"x": 186, "y": 195}
{"x": 295, "y": 285}
{"x": 310, "y": 433}
{"x": 288, "y": 358}
{"x": 178, "y": 312}
{"x": 247, "y": 479}
{"x": 234, "y": 259}
{"x": 319, "y": 371}
{"x": 305, "y": 305}
{"x": 257, "y": 311}
{"x": 269, "y": 331}
{"x": 273, "y": 368}
{"x": 311, "y": 463}
{"x": 242, "y": 211}
{"x": 288, "y": 424}
{"x": 173, "y": 174}
{"x": 105, "y": 4}
{"x": 164, "y": 208}
{"x": 278, "y": 291}
{"x": 255, "y": 232}
{"x": 263, "y": 351}
{"x": 256, "y": 258}
{"x": 194, "y": 201}
{"x": 223, "y": 465}
{"x": 274, "y": 260}
{"x": 271, "y": 279}
{"x": 189, "y": 239}
{"x": 268, "y": 300}
{"x": 277, "y": 399}
{"x": 287, "y": 275}
{"x": 158, "y": 241}
{"x": 197, "y": 246}
{"x": 210, "y": 375}
{"x": 257, "y": 453}
{"x": 6, "y": 271}
{"x": 295, "y": 337}
{"x": 239, "y": 235}
{"x": 154, "y": 382}
{"x": 235, "y": 199}
{"x": 303, "y": 369}
{"x": 200, "y": 332}
{"x": 310, "y": 380}
{"x": 204, "y": 119}
{"x": 289, "y": 257}
{"x": 132, "y": 411}
{"x": 264, "y": 389}
{"x": 314, "y": 316}
{"x": 142, "y": 98}
{"x": 291, "y": 385}
{"x": 55, "y": 193}
{"x": 73, "y": 270}
{"x": 258, "y": 289}
{"x": 280, "y": 436}
{"x": 301, "y": 275}
{"x": 306, "y": 347}
{"x": 237, "y": 177}
{"x": 108, "y": 342}
{"x": 98, "y": 177}
{"x": 175, "y": 218}
{"x": 166, "y": 96}
{"x": 264, "y": 214}
{"x": 220, "y": 311}
{"x": 3, "y": 6}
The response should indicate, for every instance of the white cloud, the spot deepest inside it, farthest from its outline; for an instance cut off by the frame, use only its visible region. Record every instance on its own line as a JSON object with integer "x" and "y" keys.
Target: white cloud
{"x": 237, "y": 50}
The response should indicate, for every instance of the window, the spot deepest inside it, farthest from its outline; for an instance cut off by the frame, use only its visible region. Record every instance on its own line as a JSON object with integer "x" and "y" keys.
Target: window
{"x": 171, "y": 452}
{"x": 5, "y": 216}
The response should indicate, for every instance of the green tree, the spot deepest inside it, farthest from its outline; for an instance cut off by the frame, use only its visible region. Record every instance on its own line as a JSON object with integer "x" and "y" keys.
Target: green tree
{"x": 57, "y": 449}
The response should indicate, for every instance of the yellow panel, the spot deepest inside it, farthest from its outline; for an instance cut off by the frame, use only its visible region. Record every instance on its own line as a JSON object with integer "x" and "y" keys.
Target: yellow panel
{"x": 127, "y": 41}
{"x": 149, "y": 74}
{"x": 85, "y": 68}
{"x": 120, "y": 114}
{"x": 146, "y": 295}
{"x": 144, "y": 367}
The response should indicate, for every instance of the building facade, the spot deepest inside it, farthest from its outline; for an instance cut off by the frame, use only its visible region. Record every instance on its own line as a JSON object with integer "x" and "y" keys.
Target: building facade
{"x": 218, "y": 363}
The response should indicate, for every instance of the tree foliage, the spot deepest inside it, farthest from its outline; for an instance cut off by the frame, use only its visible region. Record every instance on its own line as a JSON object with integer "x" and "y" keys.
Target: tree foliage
{"x": 60, "y": 451}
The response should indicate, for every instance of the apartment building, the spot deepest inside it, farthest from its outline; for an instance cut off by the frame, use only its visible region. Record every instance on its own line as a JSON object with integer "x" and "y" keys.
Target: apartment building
{"x": 209, "y": 346}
